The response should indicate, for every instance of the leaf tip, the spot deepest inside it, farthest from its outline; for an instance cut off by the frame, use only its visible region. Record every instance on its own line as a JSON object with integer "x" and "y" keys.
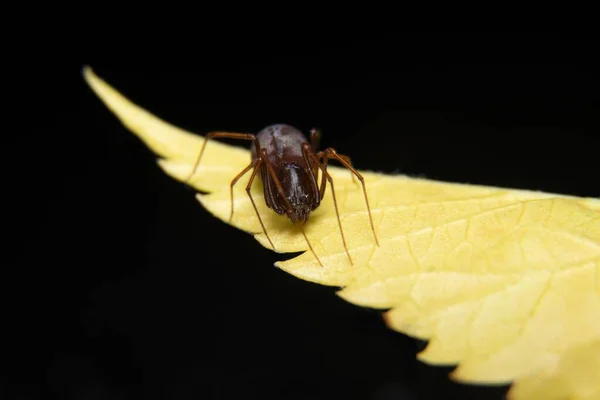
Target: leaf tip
{"x": 90, "y": 77}
{"x": 86, "y": 71}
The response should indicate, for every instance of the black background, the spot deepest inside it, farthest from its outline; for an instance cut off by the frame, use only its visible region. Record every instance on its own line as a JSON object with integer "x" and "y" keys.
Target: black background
{"x": 120, "y": 286}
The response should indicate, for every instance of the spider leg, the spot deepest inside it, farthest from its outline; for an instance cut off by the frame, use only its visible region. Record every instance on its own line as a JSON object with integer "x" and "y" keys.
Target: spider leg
{"x": 315, "y": 139}
{"x": 225, "y": 135}
{"x": 307, "y": 153}
{"x": 346, "y": 158}
{"x": 311, "y": 160}
{"x": 234, "y": 181}
{"x": 271, "y": 172}
{"x": 331, "y": 153}
{"x": 248, "y": 190}
{"x": 309, "y": 246}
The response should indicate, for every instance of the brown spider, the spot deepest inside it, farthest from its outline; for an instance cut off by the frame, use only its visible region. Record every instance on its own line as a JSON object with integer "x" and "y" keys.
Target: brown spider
{"x": 289, "y": 169}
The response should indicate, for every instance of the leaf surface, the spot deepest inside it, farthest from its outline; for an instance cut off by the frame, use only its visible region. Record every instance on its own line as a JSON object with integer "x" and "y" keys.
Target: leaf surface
{"x": 503, "y": 283}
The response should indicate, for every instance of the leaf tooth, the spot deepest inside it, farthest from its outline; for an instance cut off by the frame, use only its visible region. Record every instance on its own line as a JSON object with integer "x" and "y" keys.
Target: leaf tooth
{"x": 335, "y": 272}
{"x": 410, "y": 320}
{"x": 375, "y": 291}
{"x": 439, "y": 354}
{"x": 504, "y": 367}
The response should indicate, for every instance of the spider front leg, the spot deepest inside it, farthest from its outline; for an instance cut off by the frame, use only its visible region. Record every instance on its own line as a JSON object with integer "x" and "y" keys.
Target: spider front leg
{"x": 257, "y": 165}
{"x": 331, "y": 153}
{"x": 254, "y": 165}
{"x": 308, "y": 154}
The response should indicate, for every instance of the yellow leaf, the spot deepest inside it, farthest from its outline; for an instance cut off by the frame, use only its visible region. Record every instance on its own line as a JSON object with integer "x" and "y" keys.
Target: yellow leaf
{"x": 504, "y": 283}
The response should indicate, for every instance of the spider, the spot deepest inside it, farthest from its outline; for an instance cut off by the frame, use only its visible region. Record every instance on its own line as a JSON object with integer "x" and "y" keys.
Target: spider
{"x": 288, "y": 168}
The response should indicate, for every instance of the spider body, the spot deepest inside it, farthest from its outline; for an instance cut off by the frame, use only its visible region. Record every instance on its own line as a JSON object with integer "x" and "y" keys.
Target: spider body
{"x": 283, "y": 146}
